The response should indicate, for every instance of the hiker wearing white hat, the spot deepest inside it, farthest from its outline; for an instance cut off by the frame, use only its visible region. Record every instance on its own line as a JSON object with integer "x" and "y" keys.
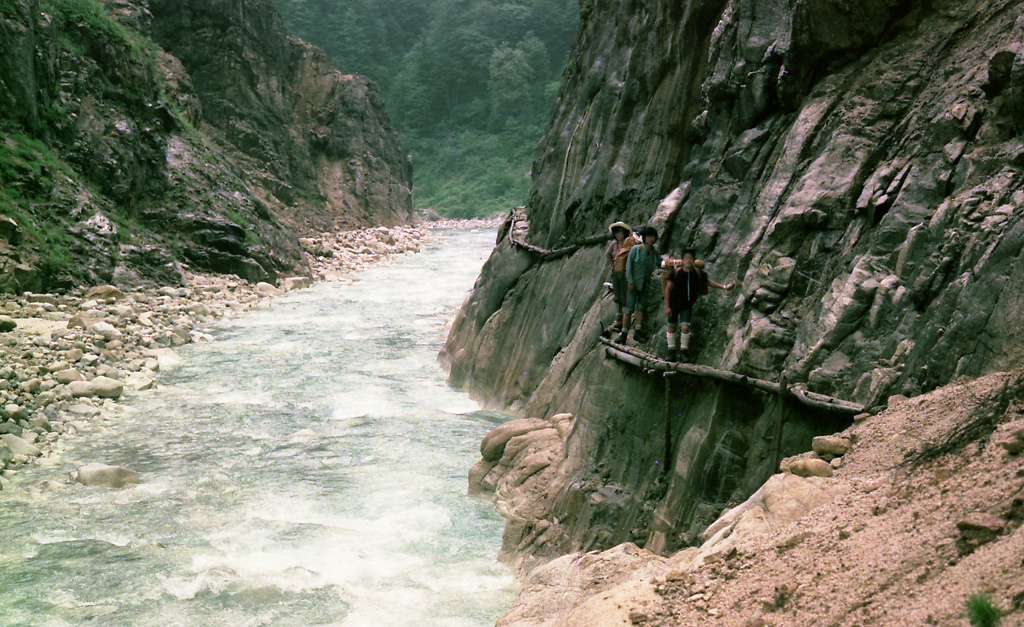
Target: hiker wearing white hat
{"x": 616, "y": 253}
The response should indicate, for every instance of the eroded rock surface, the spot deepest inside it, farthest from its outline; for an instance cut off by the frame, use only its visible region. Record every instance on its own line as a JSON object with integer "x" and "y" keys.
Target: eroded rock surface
{"x": 857, "y": 168}
{"x": 165, "y": 136}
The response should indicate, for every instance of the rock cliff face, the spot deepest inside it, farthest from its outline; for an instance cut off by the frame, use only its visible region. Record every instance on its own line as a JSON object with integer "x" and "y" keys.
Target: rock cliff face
{"x": 857, "y": 168}
{"x": 120, "y": 161}
{"x": 304, "y": 128}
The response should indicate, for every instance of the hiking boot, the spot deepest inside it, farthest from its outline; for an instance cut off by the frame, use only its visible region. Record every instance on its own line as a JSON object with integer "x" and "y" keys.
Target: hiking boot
{"x": 639, "y": 337}
{"x": 670, "y": 355}
{"x": 622, "y": 337}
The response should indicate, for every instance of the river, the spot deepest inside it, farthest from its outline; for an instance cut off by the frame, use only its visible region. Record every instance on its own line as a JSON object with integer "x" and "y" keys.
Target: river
{"x": 306, "y": 468}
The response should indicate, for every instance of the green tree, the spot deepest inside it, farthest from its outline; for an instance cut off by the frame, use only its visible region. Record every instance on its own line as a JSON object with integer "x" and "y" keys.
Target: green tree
{"x": 468, "y": 83}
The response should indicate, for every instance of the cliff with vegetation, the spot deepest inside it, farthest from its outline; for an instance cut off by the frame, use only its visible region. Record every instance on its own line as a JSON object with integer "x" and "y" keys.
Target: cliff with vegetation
{"x": 858, "y": 169}
{"x": 138, "y": 137}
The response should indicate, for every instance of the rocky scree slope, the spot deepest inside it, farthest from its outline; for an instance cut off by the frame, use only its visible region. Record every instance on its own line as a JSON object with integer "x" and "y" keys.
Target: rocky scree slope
{"x": 117, "y": 164}
{"x": 885, "y": 541}
{"x": 857, "y": 168}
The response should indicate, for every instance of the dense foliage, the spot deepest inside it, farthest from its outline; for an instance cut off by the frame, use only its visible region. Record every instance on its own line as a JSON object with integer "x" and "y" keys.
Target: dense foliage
{"x": 468, "y": 83}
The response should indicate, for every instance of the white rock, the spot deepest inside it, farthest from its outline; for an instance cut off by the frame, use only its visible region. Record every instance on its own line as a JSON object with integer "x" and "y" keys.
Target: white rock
{"x": 106, "y": 387}
{"x": 304, "y": 435}
{"x": 107, "y": 330}
{"x": 166, "y": 358}
{"x": 139, "y": 381}
{"x": 15, "y": 411}
{"x": 69, "y": 375}
{"x": 79, "y": 389}
{"x": 268, "y": 289}
{"x": 19, "y": 446}
{"x": 97, "y": 474}
{"x": 105, "y": 292}
{"x": 83, "y": 319}
{"x": 7, "y": 324}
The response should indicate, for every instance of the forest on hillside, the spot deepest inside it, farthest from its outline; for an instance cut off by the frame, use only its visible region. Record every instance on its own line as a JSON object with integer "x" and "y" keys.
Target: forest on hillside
{"x": 468, "y": 83}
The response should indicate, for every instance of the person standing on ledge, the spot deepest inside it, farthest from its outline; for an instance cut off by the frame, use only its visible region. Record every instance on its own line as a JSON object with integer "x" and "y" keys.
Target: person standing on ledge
{"x": 616, "y": 253}
{"x": 685, "y": 282}
{"x": 641, "y": 262}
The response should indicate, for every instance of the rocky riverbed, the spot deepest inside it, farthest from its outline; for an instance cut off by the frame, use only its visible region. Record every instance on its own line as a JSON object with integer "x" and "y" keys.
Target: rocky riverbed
{"x": 67, "y": 358}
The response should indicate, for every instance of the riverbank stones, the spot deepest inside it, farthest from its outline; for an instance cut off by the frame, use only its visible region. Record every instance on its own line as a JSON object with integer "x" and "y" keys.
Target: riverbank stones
{"x": 7, "y": 324}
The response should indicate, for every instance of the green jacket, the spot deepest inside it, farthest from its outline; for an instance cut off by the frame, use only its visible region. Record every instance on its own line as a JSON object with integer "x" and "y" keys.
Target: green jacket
{"x": 640, "y": 265}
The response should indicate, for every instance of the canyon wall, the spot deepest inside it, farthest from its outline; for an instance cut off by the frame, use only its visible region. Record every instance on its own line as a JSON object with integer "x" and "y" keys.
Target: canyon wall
{"x": 141, "y": 138}
{"x": 858, "y": 169}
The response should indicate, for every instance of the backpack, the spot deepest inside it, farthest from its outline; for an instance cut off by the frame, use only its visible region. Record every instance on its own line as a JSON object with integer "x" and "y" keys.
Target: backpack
{"x": 671, "y": 265}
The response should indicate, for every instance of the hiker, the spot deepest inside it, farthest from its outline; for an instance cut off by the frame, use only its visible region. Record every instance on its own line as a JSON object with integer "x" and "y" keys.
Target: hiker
{"x": 616, "y": 253}
{"x": 684, "y": 281}
{"x": 641, "y": 262}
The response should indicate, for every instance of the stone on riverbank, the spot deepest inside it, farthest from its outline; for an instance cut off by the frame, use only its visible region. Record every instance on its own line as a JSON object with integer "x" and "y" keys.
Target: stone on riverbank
{"x": 19, "y": 446}
{"x": 69, "y": 375}
{"x": 105, "y": 329}
{"x": 7, "y": 324}
{"x": 97, "y": 474}
{"x": 78, "y": 389}
{"x": 106, "y": 387}
{"x": 166, "y": 358}
{"x": 105, "y": 293}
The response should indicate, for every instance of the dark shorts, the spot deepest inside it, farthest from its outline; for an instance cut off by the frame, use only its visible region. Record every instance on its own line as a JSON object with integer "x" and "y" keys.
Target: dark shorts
{"x": 619, "y": 288}
{"x": 682, "y": 316}
{"x": 634, "y": 300}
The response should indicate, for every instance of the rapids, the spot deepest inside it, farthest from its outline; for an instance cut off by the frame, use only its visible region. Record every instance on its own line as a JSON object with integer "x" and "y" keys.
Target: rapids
{"x": 306, "y": 468}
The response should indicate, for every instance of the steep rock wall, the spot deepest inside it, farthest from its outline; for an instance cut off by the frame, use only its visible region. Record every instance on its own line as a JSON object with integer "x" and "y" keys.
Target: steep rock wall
{"x": 857, "y": 168}
{"x": 312, "y": 137}
{"x": 113, "y": 168}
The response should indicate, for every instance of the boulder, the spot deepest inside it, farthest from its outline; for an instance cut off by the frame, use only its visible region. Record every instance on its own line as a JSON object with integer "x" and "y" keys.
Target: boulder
{"x": 7, "y": 324}
{"x": 83, "y": 319}
{"x": 303, "y": 435}
{"x": 805, "y": 467}
{"x": 831, "y": 445}
{"x": 106, "y": 387}
{"x": 295, "y": 283}
{"x": 69, "y": 375}
{"x": 104, "y": 292}
{"x": 166, "y": 358}
{"x": 96, "y": 474}
{"x": 105, "y": 329}
{"x": 783, "y": 499}
{"x": 268, "y": 289}
{"x": 15, "y": 412}
{"x": 493, "y": 445}
{"x": 139, "y": 381}
{"x": 78, "y": 389}
{"x": 19, "y": 446}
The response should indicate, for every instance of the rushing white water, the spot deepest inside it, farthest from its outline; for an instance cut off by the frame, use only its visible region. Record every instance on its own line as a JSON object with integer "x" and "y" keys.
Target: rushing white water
{"x": 242, "y": 519}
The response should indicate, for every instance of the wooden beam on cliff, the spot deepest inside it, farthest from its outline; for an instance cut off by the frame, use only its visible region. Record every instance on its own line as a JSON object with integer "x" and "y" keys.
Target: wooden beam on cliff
{"x": 548, "y": 254}
{"x": 648, "y": 362}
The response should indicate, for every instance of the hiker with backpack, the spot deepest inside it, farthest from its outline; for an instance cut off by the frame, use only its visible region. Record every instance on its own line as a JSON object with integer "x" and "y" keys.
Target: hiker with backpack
{"x": 616, "y": 253}
{"x": 683, "y": 282}
{"x": 641, "y": 262}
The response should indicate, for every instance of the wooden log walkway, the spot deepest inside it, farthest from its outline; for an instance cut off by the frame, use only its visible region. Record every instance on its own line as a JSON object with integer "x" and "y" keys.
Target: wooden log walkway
{"x": 650, "y": 363}
{"x": 547, "y": 254}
